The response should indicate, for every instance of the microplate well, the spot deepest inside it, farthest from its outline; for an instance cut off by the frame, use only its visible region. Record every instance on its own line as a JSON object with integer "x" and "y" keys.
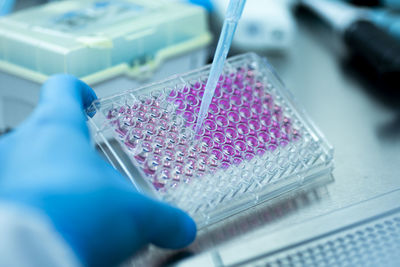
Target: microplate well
{"x": 256, "y": 142}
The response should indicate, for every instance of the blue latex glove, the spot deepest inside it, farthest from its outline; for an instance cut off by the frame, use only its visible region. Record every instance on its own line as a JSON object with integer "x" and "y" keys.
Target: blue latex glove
{"x": 207, "y": 4}
{"x": 6, "y": 6}
{"x": 49, "y": 164}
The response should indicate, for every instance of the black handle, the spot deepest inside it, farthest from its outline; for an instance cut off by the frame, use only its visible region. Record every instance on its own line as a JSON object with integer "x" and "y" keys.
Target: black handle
{"x": 370, "y": 3}
{"x": 377, "y": 48}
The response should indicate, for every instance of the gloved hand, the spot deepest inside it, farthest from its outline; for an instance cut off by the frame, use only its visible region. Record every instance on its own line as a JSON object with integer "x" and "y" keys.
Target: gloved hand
{"x": 49, "y": 164}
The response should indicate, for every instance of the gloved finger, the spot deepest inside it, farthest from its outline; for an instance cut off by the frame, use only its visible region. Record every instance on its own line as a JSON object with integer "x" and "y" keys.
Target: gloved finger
{"x": 63, "y": 89}
{"x": 62, "y": 100}
{"x": 131, "y": 220}
{"x": 162, "y": 224}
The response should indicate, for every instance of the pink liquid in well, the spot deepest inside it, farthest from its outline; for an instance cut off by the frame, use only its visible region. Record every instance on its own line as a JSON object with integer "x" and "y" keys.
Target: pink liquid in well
{"x": 242, "y": 122}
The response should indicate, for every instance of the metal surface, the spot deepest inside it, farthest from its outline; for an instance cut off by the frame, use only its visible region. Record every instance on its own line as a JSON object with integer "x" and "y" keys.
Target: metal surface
{"x": 361, "y": 124}
{"x": 368, "y": 234}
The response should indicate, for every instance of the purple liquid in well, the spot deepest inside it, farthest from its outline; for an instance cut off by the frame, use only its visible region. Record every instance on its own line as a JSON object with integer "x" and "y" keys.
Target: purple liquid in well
{"x": 243, "y": 121}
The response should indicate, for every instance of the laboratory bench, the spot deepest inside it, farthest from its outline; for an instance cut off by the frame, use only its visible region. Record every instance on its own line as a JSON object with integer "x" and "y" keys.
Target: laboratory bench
{"x": 356, "y": 116}
{"x": 359, "y": 119}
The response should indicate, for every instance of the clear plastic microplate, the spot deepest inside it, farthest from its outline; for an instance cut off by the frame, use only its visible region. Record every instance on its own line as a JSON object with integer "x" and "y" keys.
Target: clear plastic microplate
{"x": 256, "y": 142}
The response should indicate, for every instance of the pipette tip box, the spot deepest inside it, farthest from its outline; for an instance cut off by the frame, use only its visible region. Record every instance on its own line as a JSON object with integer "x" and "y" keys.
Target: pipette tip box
{"x": 111, "y": 45}
{"x": 256, "y": 142}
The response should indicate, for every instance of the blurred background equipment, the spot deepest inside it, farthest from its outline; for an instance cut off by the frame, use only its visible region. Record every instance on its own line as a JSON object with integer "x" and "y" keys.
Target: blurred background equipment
{"x": 387, "y": 19}
{"x": 111, "y": 45}
{"x": 377, "y": 3}
{"x": 264, "y": 26}
{"x": 9, "y": 6}
{"x": 369, "y": 44}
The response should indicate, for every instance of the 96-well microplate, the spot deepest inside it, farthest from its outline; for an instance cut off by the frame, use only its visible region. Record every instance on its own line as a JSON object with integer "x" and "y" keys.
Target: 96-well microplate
{"x": 255, "y": 143}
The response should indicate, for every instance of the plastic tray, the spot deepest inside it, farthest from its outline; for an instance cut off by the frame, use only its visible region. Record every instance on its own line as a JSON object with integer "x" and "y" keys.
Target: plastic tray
{"x": 111, "y": 45}
{"x": 98, "y": 40}
{"x": 256, "y": 142}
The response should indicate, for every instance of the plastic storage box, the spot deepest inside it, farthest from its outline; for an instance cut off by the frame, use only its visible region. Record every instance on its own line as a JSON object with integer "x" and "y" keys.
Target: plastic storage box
{"x": 256, "y": 142}
{"x": 111, "y": 45}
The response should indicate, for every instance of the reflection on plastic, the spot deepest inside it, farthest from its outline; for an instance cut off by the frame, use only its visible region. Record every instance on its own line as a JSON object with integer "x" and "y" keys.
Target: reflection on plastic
{"x": 252, "y": 137}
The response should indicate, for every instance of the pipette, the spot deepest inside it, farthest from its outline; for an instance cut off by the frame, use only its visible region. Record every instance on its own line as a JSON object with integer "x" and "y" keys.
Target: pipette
{"x": 232, "y": 17}
{"x": 373, "y": 48}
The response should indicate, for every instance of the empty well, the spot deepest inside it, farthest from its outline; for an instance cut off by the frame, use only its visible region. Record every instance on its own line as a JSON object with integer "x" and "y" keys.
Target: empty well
{"x": 255, "y": 143}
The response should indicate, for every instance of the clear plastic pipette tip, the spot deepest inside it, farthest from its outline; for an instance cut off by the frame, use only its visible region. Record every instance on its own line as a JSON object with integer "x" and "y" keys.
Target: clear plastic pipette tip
{"x": 232, "y": 17}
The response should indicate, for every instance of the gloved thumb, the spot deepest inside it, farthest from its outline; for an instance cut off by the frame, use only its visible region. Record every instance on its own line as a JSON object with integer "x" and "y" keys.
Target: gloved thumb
{"x": 62, "y": 100}
{"x": 62, "y": 88}
{"x": 133, "y": 220}
{"x": 162, "y": 224}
